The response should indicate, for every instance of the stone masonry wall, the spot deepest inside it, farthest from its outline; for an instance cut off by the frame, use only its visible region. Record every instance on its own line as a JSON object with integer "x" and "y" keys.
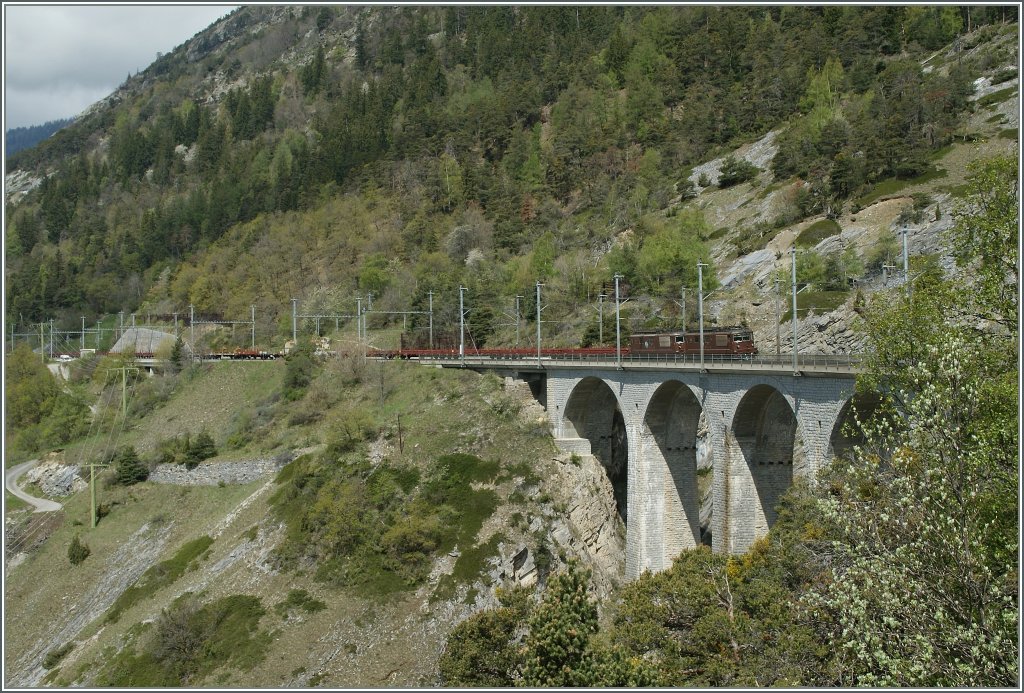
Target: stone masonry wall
{"x": 216, "y": 473}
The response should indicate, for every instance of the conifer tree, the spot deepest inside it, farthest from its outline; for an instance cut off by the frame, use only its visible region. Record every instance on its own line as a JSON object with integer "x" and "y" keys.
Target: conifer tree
{"x": 130, "y": 469}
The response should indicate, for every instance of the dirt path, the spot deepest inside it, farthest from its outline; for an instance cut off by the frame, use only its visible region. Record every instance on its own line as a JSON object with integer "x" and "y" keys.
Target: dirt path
{"x": 11, "y": 475}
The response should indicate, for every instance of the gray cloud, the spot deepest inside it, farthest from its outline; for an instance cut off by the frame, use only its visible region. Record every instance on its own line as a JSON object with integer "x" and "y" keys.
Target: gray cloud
{"x": 60, "y": 59}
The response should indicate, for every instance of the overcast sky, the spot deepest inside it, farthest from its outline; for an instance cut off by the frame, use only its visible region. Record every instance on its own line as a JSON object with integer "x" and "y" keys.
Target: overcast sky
{"x": 60, "y": 59}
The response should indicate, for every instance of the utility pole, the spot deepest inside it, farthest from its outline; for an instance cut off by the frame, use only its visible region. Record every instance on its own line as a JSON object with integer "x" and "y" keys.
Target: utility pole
{"x": 517, "y": 320}
{"x": 700, "y": 308}
{"x": 618, "y": 326}
{"x": 191, "y": 332}
{"x": 98, "y": 331}
{"x": 778, "y": 319}
{"x": 295, "y": 326}
{"x": 124, "y": 416}
{"x": 600, "y": 318}
{"x": 538, "y": 322}
{"x": 682, "y": 310}
{"x": 82, "y": 340}
{"x": 793, "y": 253}
{"x": 359, "y": 320}
{"x": 430, "y": 308}
{"x": 51, "y": 339}
{"x": 253, "y": 308}
{"x": 462, "y": 328}
{"x": 175, "y": 324}
{"x": 885, "y": 273}
{"x": 369, "y": 307}
{"x": 120, "y": 324}
{"x": 42, "y": 339}
{"x": 906, "y": 263}
{"x": 92, "y": 491}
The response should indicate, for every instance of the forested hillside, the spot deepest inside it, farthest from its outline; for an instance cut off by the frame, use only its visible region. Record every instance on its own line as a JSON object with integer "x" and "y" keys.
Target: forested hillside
{"x": 322, "y": 152}
{"x": 326, "y": 519}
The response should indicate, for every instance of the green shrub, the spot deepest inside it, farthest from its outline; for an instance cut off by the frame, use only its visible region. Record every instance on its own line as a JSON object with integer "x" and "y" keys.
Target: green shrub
{"x": 349, "y": 428}
{"x": 53, "y": 657}
{"x": 409, "y": 545}
{"x": 735, "y": 171}
{"x": 483, "y": 650}
{"x": 300, "y": 367}
{"x": 189, "y": 641}
{"x": 77, "y": 551}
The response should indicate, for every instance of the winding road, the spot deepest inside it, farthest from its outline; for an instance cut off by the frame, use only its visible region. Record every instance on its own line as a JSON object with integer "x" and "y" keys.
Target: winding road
{"x": 11, "y": 475}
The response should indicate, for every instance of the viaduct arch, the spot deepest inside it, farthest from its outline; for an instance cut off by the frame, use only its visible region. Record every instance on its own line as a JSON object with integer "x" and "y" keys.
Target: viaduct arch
{"x": 680, "y": 446}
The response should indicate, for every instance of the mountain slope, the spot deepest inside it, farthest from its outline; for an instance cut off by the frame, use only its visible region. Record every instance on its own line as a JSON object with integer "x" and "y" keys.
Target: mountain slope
{"x": 324, "y": 153}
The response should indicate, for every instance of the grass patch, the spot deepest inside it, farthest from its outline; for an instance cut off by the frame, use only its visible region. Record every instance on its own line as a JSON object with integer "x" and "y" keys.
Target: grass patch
{"x": 1009, "y": 134}
{"x": 472, "y": 561}
{"x": 891, "y": 186}
{"x": 997, "y": 97}
{"x": 12, "y": 502}
{"x": 1004, "y": 75}
{"x": 159, "y": 576}
{"x": 768, "y": 190}
{"x": 299, "y": 600}
{"x": 210, "y": 399}
{"x": 817, "y": 232}
{"x": 819, "y": 301}
{"x": 756, "y": 237}
{"x": 956, "y": 191}
{"x": 523, "y": 470}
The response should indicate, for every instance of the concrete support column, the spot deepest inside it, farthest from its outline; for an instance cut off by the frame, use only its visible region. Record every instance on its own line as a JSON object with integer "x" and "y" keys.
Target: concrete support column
{"x": 642, "y": 523}
{"x": 717, "y": 435}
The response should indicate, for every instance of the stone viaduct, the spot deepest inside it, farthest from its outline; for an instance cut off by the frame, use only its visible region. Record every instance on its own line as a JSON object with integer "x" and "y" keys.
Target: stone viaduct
{"x": 670, "y": 434}
{"x": 758, "y": 431}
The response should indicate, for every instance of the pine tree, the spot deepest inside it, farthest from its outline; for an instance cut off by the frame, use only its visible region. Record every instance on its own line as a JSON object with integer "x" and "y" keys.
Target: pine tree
{"x": 202, "y": 447}
{"x": 130, "y": 469}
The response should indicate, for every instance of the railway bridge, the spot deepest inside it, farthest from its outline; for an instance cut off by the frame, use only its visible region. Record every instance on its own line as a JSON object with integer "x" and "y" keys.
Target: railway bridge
{"x": 675, "y": 434}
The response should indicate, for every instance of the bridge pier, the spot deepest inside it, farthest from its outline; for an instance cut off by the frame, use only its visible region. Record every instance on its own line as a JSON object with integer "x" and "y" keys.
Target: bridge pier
{"x": 763, "y": 429}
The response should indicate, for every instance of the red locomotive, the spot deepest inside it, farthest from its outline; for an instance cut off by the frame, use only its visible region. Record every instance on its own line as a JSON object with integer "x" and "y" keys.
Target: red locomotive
{"x": 733, "y": 341}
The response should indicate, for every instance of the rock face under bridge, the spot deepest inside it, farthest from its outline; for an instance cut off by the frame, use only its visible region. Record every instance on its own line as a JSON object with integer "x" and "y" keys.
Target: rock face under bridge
{"x": 651, "y": 428}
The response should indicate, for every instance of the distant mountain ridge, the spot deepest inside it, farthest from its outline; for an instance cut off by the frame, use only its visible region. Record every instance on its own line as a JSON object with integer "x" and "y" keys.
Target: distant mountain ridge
{"x": 18, "y": 139}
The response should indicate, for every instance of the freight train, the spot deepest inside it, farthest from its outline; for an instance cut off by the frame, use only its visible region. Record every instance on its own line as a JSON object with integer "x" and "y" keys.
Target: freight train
{"x": 731, "y": 342}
